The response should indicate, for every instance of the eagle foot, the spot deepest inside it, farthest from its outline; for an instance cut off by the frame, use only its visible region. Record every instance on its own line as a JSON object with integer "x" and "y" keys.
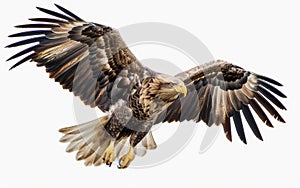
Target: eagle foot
{"x": 108, "y": 155}
{"x": 125, "y": 161}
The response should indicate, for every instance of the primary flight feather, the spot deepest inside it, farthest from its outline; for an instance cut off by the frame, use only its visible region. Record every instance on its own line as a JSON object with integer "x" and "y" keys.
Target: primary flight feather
{"x": 92, "y": 61}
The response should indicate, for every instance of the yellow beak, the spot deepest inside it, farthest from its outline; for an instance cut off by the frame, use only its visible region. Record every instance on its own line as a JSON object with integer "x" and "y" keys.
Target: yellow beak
{"x": 181, "y": 89}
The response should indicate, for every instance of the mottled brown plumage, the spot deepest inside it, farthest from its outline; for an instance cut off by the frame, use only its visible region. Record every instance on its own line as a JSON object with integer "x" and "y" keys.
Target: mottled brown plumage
{"x": 92, "y": 61}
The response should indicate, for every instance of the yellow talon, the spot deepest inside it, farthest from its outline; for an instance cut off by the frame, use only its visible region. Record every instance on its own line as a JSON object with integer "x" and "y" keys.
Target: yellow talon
{"x": 126, "y": 159}
{"x": 108, "y": 155}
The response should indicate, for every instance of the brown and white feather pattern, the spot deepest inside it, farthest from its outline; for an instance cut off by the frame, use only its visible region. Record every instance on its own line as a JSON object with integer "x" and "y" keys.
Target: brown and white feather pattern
{"x": 91, "y": 139}
{"x": 85, "y": 58}
{"x": 222, "y": 91}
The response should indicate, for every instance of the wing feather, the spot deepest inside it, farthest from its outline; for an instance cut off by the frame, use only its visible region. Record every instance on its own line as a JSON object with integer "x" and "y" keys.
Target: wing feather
{"x": 27, "y": 50}
{"x": 269, "y": 80}
{"x": 239, "y": 126}
{"x": 251, "y": 121}
{"x": 259, "y": 111}
{"x": 30, "y": 33}
{"x": 56, "y": 14}
{"x": 36, "y": 26}
{"x": 26, "y": 41}
{"x": 271, "y": 97}
{"x": 227, "y": 128}
{"x": 271, "y": 88}
{"x": 77, "y": 18}
{"x": 223, "y": 91}
{"x": 49, "y": 20}
{"x": 85, "y": 58}
{"x": 269, "y": 107}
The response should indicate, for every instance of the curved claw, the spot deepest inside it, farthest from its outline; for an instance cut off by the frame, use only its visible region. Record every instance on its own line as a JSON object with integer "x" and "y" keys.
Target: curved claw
{"x": 108, "y": 155}
{"x": 120, "y": 161}
{"x": 125, "y": 161}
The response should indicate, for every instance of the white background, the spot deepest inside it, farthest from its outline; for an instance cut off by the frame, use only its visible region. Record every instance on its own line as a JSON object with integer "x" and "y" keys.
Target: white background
{"x": 261, "y": 36}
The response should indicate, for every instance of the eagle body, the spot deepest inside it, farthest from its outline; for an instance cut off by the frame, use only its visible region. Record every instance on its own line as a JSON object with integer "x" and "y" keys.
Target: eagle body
{"x": 139, "y": 110}
{"x": 92, "y": 61}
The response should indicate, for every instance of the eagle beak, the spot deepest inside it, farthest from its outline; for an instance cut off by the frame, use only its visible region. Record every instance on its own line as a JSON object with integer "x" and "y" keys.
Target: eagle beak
{"x": 181, "y": 89}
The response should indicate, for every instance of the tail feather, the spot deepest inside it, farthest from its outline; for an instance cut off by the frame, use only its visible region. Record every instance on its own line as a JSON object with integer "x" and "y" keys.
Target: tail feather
{"x": 149, "y": 142}
{"x": 88, "y": 139}
{"x": 74, "y": 145}
{"x": 121, "y": 147}
{"x": 91, "y": 139}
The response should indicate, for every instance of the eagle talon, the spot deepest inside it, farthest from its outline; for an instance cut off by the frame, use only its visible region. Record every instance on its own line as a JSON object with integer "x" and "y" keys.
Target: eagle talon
{"x": 120, "y": 161}
{"x": 125, "y": 161}
{"x": 108, "y": 155}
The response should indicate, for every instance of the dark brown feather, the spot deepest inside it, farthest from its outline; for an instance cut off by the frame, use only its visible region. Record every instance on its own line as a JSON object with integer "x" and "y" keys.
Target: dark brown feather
{"x": 239, "y": 126}
{"x": 237, "y": 90}
{"x": 251, "y": 121}
{"x": 27, "y": 41}
{"x": 30, "y": 33}
{"x": 56, "y": 14}
{"x": 227, "y": 127}
{"x": 37, "y": 26}
{"x": 259, "y": 111}
{"x": 71, "y": 42}
{"x": 269, "y": 80}
{"x": 50, "y": 20}
{"x": 68, "y": 13}
{"x": 22, "y": 53}
{"x": 269, "y": 107}
{"x": 23, "y": 60}
{"x": 271, "y": 97}
{"x": 271, "y": 88}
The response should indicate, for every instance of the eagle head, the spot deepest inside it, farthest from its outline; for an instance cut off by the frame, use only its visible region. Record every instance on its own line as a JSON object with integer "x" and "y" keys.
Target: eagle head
{"x": 167, "y": 88}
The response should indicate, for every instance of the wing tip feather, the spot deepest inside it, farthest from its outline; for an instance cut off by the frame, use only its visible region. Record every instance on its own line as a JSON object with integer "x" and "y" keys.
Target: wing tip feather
{"x": 244, "y": 141}
{"x": 68, "y": 12}
{"x": 228, "y": 136}
{"x": 268, "y": 79}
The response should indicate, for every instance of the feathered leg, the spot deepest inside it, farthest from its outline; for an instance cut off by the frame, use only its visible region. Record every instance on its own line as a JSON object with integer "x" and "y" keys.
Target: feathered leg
{"x": 114, "y": 127}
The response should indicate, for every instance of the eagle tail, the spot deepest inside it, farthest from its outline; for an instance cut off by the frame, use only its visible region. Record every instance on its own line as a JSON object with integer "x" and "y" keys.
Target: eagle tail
{"x": 89, "y": 139}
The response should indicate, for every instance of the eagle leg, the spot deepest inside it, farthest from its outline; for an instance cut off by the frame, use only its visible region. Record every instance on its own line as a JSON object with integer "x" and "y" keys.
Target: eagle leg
{"x": 108, "y": 155}
{"x": 125, "y": 161}
{"x": 135, "y": 138}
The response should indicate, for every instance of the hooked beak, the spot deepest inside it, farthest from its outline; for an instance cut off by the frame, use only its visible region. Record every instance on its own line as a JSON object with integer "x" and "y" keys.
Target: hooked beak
{"x": 181, "y": 89}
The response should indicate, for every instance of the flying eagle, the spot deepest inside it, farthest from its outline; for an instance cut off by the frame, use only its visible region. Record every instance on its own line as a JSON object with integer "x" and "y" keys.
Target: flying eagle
{"x": 92, "y": 61}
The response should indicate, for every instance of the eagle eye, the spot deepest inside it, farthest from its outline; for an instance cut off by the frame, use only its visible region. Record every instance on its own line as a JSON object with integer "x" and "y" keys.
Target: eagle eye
{"x": 170, "y": 84}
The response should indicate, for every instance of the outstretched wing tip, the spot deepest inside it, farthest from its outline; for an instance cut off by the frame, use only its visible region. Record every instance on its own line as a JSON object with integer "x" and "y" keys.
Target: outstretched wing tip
{"x": 9, "y": 59}
{"x": 58, "y": 6}
{"x": 228, "y": 136}
{"x": 66, "y": 11}
{"x": 12, "y": 67}
{"x": 260, "y": 137}
{"x": 280, "y": 119}
{"x": 268, "y": 79}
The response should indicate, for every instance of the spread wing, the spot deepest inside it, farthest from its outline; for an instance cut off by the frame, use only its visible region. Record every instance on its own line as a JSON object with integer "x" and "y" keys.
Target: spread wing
{"x": 218, "y": 91}
{"x": 85, "y": 58}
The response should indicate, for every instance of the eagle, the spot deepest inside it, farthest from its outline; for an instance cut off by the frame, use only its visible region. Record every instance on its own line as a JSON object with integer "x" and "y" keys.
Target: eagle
{"x": 92, "y": 61}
